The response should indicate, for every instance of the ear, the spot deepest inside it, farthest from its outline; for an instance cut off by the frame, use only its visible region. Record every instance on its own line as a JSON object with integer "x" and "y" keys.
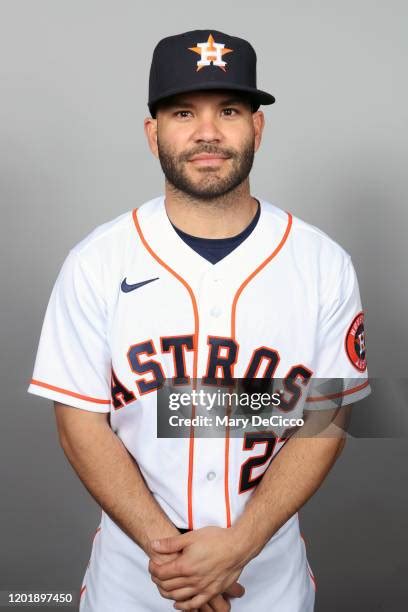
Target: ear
{"x": 259, "y": 122}
{"x": 150, "y": 128}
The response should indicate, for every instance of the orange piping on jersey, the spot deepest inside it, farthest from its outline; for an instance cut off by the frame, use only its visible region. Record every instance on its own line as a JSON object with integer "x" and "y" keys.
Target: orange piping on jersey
{"x": 96, "y": 533}
{"x": 93, "y": 540}
{"x": 233, "y": 334}
{"x": 195, "y": 359}
{"x": 313, "y": 579}
{"x": 226, "y": 472}
{"x": 71, "y": 393}
{"x": 82, "y": 591}
{"x": 255, "y": 272}
{"x": 340, "y": 394}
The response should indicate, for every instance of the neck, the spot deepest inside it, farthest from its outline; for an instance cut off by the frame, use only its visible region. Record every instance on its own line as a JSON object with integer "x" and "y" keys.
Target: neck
{"x": 221, "y": 217}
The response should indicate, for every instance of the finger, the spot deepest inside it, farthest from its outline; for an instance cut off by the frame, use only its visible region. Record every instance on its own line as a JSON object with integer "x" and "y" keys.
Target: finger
{"x": 172, "y": 584}
{"x": 173, "y": 569}
{"x": 164, "y": 558}
{"x": 206, "y": 608}
{"x": 179, "y": 595}
{"x": 195, "y": 602}
{"x": 219, "y": 604}
{"x": 172, "y": 544}
{"x": 235, "y": 590}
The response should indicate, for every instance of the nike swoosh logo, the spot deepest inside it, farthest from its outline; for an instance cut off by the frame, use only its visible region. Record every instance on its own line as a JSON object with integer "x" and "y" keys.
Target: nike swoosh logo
{"x": 128, "y": 288}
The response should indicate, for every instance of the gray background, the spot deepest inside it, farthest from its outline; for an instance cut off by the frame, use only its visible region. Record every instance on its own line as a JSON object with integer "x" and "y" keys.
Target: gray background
{"x": 73, "y": 155}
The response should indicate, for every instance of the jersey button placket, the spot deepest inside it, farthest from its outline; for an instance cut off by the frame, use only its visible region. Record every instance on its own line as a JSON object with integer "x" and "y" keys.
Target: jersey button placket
{"x": 214, "y": 321}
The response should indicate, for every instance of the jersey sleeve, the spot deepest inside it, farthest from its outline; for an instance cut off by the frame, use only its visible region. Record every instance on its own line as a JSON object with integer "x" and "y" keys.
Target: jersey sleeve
{"x": 73, "y": 361}
{"x": 340, "y": 374}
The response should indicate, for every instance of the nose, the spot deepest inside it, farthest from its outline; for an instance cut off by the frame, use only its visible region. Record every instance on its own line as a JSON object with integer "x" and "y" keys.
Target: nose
{"x": 207, "y": 129}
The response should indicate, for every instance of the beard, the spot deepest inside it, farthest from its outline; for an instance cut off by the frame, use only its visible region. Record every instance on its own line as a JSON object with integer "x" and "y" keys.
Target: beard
{"x": 208, "y": 183}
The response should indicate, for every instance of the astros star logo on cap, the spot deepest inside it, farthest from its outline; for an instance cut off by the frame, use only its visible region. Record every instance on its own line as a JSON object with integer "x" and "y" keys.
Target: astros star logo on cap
{"x": 211, "y": 53}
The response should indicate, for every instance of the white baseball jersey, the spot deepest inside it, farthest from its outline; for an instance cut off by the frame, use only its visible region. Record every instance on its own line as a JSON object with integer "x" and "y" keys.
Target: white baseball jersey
{"x": 133, "y": 305}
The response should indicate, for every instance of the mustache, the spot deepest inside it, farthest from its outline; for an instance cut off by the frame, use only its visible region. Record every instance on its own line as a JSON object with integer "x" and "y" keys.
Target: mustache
{"x": 210, "y": 150}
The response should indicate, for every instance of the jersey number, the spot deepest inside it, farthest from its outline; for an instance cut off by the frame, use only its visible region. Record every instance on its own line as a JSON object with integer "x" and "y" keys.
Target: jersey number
{"x": 246, "y": 480}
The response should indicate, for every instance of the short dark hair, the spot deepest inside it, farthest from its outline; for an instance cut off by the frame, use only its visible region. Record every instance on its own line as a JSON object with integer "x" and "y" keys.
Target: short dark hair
{"x": 246, "y": 97}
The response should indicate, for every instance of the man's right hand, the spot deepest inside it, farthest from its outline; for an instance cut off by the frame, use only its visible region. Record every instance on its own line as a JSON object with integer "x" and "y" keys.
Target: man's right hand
{"x": 219, "y": 603}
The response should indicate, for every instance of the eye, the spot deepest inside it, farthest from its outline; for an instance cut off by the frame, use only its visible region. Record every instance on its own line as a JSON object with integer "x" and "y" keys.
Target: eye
{"x": 231, "y": 111}
{"x": 181, "y": 113}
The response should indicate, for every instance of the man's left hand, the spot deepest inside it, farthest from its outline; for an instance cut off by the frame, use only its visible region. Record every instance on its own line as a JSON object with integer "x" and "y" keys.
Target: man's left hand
{"x": 211, "y": 560}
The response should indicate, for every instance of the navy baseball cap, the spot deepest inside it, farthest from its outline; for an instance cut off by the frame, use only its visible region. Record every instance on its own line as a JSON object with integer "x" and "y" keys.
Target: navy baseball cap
{"x": 203, "y": 60}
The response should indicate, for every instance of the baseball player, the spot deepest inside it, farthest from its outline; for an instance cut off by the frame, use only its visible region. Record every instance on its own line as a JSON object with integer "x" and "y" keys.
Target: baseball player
{"x": 203, "y": 283}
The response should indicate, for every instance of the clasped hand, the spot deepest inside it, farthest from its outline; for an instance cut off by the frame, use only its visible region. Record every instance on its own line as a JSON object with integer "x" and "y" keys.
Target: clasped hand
{"x": 198, "y": 567}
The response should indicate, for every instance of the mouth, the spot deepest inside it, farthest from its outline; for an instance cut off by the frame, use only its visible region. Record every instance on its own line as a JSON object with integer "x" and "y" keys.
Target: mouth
{"x": 207, "y": 159}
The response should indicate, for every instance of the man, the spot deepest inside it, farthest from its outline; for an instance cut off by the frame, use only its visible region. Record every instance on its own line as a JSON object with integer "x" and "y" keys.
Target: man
{"x": 204, "y": 283}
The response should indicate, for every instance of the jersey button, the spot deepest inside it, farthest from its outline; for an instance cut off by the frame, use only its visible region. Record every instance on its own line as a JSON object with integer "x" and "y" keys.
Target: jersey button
{"x": 211, "y": 475}
{"x": 215, "y": 311}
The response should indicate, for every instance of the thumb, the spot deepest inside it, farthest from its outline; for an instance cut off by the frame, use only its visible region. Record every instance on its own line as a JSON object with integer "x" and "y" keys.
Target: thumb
{"x": 235, "y": 590}
{"x": 169, "y": 545}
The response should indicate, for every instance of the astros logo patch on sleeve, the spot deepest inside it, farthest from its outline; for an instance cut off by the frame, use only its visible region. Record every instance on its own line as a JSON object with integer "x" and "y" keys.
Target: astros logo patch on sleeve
{"x": 355, "y": 343}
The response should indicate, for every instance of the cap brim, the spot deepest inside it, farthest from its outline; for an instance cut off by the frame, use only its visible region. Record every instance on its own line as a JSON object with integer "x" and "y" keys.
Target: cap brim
{"x": 259, "y": 96}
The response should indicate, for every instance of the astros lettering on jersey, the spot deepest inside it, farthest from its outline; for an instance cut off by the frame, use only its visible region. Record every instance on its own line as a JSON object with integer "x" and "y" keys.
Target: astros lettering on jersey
{"x": 134, "y": 305}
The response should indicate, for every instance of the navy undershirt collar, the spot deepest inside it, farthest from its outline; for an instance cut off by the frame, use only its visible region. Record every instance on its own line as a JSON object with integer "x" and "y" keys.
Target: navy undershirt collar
{"x": 215, "y": 249}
